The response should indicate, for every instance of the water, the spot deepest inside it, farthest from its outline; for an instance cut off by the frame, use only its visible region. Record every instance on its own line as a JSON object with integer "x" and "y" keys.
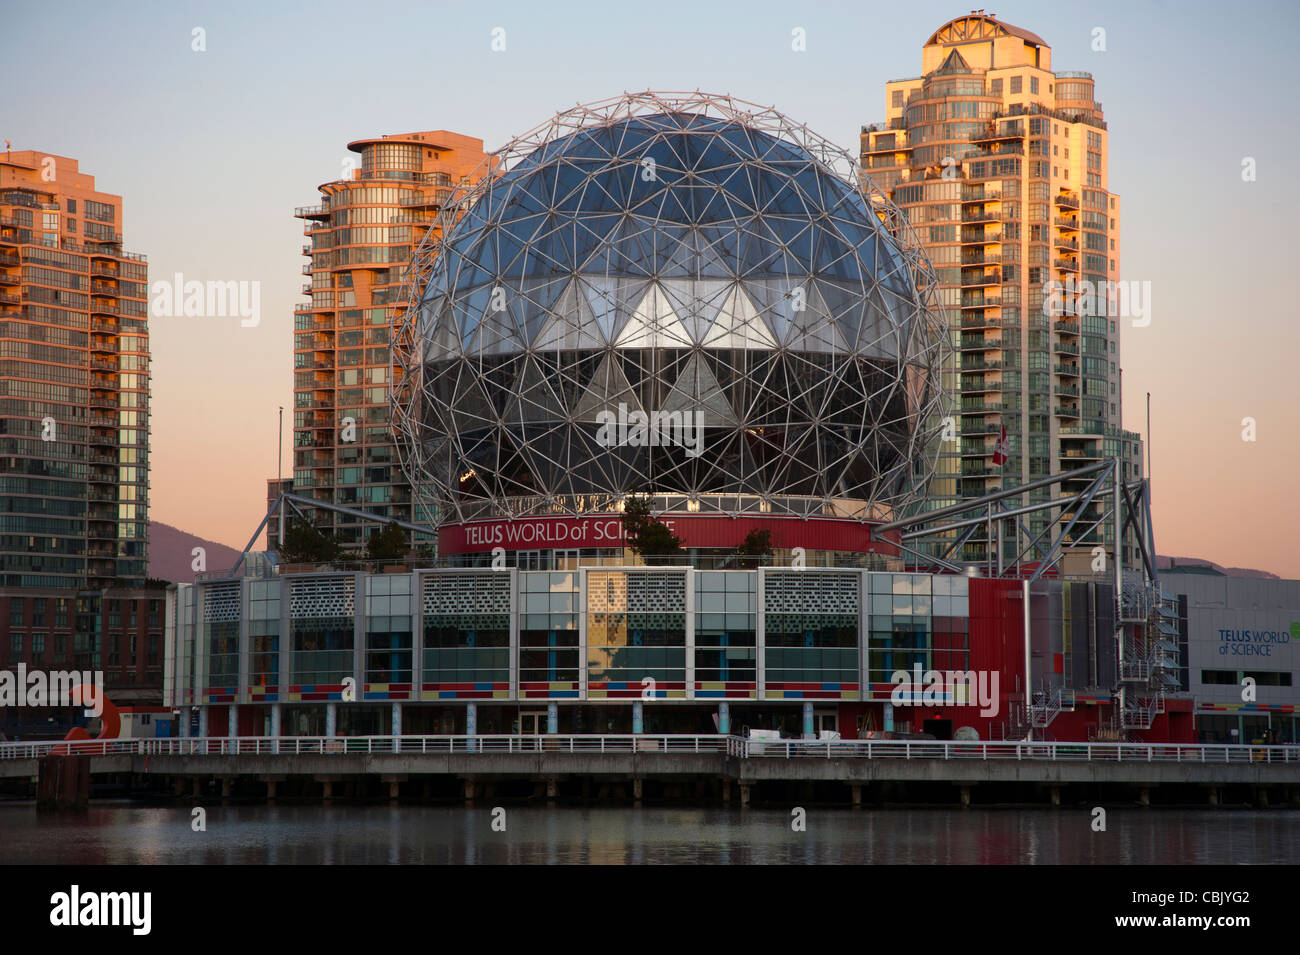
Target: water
{"x": 127, "y": 834}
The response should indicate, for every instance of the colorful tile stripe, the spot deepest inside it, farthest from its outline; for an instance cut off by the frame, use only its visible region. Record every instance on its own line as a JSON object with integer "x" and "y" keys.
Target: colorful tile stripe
{"x": 386, "y": 691}
{"x": 813, "y": 691}
{"x": 465, "y": 691}
{"x": 1246, "y": 708}
{"x": 711, "y": 691}
{"x": 634, "y": 691}
{"x": 560, "y": 690}
{"x": 315, "y": 691}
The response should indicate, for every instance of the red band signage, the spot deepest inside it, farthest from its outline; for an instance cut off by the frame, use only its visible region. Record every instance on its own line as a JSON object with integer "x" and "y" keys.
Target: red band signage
{"x": 695, "y": 530}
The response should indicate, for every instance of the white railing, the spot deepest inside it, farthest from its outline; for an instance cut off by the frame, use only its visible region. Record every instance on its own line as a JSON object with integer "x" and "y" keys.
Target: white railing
{"x": 596, "y": 745}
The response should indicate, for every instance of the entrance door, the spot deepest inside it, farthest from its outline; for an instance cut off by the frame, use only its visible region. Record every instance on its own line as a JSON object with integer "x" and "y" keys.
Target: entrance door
{"x": 825, "y": 721}
{"x": 532, "y": 726}
{"x": 532, "y": 723}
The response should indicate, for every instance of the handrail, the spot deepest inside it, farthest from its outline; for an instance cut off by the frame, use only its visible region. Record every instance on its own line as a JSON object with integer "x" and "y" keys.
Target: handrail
{"x": 652, "y": 743}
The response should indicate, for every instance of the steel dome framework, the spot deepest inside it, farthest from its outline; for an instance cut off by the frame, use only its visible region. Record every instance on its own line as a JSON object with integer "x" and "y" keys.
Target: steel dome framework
{"x": 670, "y": 253}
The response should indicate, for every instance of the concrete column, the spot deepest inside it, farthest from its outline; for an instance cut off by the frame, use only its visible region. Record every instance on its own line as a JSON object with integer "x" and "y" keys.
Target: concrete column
{"x": 638, "y": 717}
{"x": 744, "y": 795}
{"x": 469, "y": 792}
{"x": 327, "y": 795}
{"x": 232, "y": 724}
{"x": 1261, "y": 798}
{"x": 393, "y": 789}
{"x": 226, "y": 785}
{"x": 552, "y": 791}
{"x": 726, "y": 792}
{"x": 198, "y": 787}
{"x": 965, "y": 797}
{"x": 1056, "y": 797}
{"x": 471, "y": 725}
{"x": 724, "y": 719}
{"x": 808, "y": 730}
{"x": 397, "y": 719}
{"x": 331, "y": 719}
{"x": 203, "y": 720}
{"x": 270, "y": 791}
{"x": 275, "y": 727}
{"x": 552, "y": 718}
{"x": 636, "y": 792}
{"x": 1214, "y": 795}
{"x": 857, "y": 794}
{"x": 1144, "y": 797}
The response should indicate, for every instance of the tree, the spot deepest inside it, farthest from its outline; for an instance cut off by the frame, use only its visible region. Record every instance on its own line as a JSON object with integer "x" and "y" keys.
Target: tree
{"x": 388, "y": 544}
{"x": 305, "y": 544}
{"x": 755, "y": 549}
{"x": 652, "y": 541}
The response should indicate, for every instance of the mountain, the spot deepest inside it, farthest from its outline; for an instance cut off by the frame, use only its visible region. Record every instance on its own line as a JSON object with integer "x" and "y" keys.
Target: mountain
{"x": 171, "y": 553}
{"x": 1165, "y": 563}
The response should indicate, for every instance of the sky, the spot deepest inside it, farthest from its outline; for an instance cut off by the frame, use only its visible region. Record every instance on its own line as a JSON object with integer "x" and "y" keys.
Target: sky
{"x": 213, "y": 149}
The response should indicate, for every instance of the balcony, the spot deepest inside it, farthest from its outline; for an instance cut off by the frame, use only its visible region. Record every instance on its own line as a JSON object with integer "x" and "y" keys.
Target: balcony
{"x": 1069, "y": 244}
{"x": 1063, "y": 411}
{"x": 6, "y": 299}
{"x": 1068, "y": 328}
{"x": 1067, "y": 202}
{"x": 433, "y": 199}
{"x": 1066, "y": 265}
{"x": 1070, "y": 225}
{"x": 7, "y": 279}
{"x": 1070, "y": 371}
{"x": 312, "y": 212}
{"x": 980, "y": 321}
{"x": 984, "y": 344}
{"x": 1061, "y": 348}
{"x": 993, "y": 365}
{"x": 1067, "y": 391}
{"x": 986, "y": 303}
{"x": 980, "y": 280}
{"x": 982, "y": 215}
{"x": 982, "y": 260}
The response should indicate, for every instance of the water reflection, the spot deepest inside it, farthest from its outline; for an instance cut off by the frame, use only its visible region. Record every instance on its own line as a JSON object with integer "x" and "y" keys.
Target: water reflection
{"x": 121, "y": 834}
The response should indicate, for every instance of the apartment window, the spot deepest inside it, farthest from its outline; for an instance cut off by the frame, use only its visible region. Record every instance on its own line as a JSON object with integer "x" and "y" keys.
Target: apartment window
{"x": 38, "y": 647}
{"x": 995, "y": 86}
{"x": 897, "y": 99}
{"x": 1033, "y": 84}
{"x": 60, "y": 647}
{"x": 15, "y": 647}
{"x": 1017, "y": 84}
{"x": 72, "y": 206}
{"x": 16, "y": 612}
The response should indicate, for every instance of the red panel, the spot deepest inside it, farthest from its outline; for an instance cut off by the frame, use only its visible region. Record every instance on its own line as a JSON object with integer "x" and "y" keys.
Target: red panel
{"x": 218, "y": 720}
{"x": 606, "y": 530}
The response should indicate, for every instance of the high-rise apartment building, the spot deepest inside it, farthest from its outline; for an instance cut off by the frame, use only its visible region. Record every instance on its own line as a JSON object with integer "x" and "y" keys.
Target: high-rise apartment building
{"x": 363, "y": 234}
{"x": 74, "y": 382}
{"x": 1000, "y": 164}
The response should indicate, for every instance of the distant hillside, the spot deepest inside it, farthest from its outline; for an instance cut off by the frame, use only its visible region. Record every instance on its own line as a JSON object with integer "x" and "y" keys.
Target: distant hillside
{"x": 171, "y": 554}
{"x": 1165, "y": 563}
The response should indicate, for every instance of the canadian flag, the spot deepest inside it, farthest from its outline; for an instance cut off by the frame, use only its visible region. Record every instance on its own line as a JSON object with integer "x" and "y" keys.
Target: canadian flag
{"x": 1001, "y": 449}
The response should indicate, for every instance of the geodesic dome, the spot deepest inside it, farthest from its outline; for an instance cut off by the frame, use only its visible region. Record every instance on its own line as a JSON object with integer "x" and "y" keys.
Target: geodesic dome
{"x": 664, "y": 255}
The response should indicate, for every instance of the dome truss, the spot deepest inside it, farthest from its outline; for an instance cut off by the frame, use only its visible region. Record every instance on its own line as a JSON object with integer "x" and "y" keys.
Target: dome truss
{"x": 759, "y": 279}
